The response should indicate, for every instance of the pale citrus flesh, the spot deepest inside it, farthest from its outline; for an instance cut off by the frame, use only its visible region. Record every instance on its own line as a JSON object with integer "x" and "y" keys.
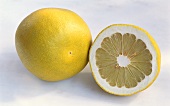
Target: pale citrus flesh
{"x": 53, "y": 43}
{"x": 125, "y": 45}
{"x": 140, "y": 70}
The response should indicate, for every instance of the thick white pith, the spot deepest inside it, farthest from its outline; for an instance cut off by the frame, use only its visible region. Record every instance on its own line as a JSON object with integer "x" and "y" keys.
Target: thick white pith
{"x": 139, "y": 35}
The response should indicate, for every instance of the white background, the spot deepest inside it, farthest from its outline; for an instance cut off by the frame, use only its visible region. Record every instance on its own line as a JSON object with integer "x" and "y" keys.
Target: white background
{"x": 18, "y": 87}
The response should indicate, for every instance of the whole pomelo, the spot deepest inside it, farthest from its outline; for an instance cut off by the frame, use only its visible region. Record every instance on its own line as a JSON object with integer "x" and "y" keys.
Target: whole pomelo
{"x": 53, "y": 43}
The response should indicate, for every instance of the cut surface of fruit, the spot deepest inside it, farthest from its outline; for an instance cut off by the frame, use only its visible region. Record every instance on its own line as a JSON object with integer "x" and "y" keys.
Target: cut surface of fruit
{"x": 124, "y": 59}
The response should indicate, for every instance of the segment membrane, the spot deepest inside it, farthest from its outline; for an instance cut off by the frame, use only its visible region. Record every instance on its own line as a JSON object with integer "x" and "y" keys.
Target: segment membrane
{"x": 128, "y": 41}
{"x": 146, "y": 68}
{"x": 126, "y": 45}
{"x": 138, "y": 75}
{"x": 144, "y": 56}
{"x": 136, "y": 48}
{"x": 129, "y": 79}
{"x": 107, "y": 71}
{"x": 106, "y": 45}
{"x": 121, "y": 77}
{"x": 117, "y": 42}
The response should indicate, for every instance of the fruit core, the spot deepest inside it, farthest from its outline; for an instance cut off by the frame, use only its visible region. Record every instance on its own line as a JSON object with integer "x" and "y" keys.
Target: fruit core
{"x": 123, "y": 61}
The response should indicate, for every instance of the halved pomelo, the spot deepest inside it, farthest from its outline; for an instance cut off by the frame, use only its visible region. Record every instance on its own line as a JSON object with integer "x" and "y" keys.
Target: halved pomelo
{"x": 124, "y": 59}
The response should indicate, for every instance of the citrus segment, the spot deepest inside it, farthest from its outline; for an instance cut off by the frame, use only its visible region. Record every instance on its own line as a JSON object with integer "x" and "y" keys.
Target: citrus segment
{"x": 128, "y": 41}
{"x": 112, "y": 47}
